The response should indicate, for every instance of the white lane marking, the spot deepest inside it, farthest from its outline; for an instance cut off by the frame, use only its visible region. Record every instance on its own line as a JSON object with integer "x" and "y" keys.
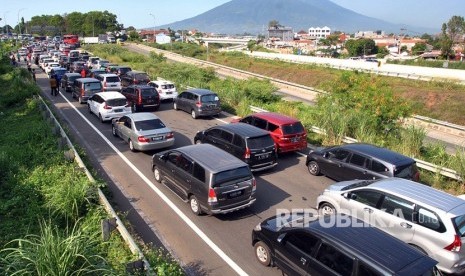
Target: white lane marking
{"x": 188, "y": 221}
{"x": 223, "y": 121}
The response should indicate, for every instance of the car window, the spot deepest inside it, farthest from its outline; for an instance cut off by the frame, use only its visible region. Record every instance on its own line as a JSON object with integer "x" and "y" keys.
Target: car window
{"x": 226, "y": 136}
{"x": 247, "y": 120}
{"x": 209, "y": 98}
{"x": 303, "y": 242}
{"x": 398, "y": 207}
{"x": 378, "y": 167}
{"x": 459, "y": 223}
{"x": 335, "y": 260}
{"x": 293, "y": 128}
{"x": 223, "y": 177}
{"x": 173, "y": 157}
{"x": 260, "y": 142}
{"x": 127, "y": 123}
{"x": 112, "y": 79}
{"x": 370, "y": 198}
{"x": 260, "y": 123}
{"x": 199, "y": 172}
{"x": 117, "y": 102}
{"x": 272, "y": 127}
{"x": 339, "y": 154}
{"x": 430, "y": 220}
{"x": 214, "y": 133}
{"x": 238, "y": 141}
{"x": 405, "y": 171}
{"x": 93, "y": 86}
{"x": 149, "y": 124}
{"x": 148, "y": 92}
{"x": 358, "y": 160}
{"x": 184, "y": 163}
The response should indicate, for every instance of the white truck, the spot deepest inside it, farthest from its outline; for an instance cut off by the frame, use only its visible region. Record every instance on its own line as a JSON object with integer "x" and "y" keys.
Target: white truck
{"x": 90, "y": 40}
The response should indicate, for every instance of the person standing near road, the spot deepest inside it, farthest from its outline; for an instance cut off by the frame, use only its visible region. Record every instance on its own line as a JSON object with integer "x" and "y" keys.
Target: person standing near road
{"x": 83, "y": 72}
{"x": 53, "y": 85}
{"x": 33, "y": 74}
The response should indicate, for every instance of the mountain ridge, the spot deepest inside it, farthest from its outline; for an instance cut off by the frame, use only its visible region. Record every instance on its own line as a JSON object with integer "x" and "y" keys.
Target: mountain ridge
{"x": 253, "y": 16}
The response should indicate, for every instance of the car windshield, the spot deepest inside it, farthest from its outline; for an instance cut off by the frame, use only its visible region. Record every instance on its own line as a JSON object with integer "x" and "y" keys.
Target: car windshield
{"x": 260, "y": 142}
{"x": 167, "y": 86}
{"x": 459, "y": 223}
{"x": 112, "y": 79}
{"x": 149, "y": 124}
{"x": 149, "y": 92}
{"x": 223, "y": 177}
{"x": 93, "y": 86}
{"x": 405, "y": 171}
{"x": 209, "y": 98}
{"x": 117, "y": 102}
{"x": 293, "y": 128}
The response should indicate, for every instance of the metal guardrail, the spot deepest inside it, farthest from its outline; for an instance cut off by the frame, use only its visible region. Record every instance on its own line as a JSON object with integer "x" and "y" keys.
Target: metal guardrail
{"x": 103, "y": 200}
{"x": 420, "y": 163}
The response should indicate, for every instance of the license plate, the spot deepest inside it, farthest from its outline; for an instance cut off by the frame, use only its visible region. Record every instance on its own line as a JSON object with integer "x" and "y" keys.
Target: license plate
{"x": 117, "y": 110}
{"x": 295, "y": 140}
{"x": 169, "y": 93}
{"x": 235, "y": 194}
{"x": 158, "y": 138}
{"x": 263, "y": 156}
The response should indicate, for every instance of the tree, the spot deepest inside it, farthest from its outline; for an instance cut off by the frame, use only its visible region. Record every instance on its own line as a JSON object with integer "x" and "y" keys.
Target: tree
{"x": 251, "y": 45}
{"x": 451, "y": 32}
{"x": 418, "y": 48}
{"x": 274, "y": 24}
{"x": 361, "y": 47}
{"x": 382, "y": 52}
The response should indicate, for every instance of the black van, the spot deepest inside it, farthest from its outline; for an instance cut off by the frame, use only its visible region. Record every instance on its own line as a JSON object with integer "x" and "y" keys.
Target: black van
{"x": 335, "y": 245}
{"x": 248, "y": 143}
{"x": 211, "y": 180}
{"x": 84, "y": 88}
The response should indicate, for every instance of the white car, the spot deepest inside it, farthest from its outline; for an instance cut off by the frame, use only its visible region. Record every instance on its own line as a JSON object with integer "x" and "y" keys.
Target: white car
{"x": 50, "y": 66}
{"x": 165, "y": 89}
{"x": 108, "y": 105}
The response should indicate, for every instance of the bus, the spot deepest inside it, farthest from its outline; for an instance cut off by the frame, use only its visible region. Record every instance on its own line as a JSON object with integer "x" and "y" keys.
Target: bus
{"x": 70, "y": 39}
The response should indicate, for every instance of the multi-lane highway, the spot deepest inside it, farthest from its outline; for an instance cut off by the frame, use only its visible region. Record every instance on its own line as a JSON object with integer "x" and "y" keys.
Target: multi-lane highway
{"x": 205, "y": 245}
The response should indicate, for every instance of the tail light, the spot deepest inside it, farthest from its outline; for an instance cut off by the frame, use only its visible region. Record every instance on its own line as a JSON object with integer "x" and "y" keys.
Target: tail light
{"x": 169, "y": 135}
{"x": 247, "y": 153}
{"x": 136, "y": 82}
{"x": 455, "y": 245}
{"x": 143, "y": 139}
{"x": 254, "y": 185}
{"x": 105, "y": 84}
{"x": 212, "y": 196}
{"x": 198, "y": 104}
{"x": 416, "y": 176}
{"x": 106, "y": 106}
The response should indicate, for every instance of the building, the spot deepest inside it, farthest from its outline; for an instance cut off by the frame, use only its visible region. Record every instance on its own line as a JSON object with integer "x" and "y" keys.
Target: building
{"x": 319, "y": 32}
{"x": 370, "y": 34}
{"x": 162, "y": 38}
{"x": 280, "y": 33}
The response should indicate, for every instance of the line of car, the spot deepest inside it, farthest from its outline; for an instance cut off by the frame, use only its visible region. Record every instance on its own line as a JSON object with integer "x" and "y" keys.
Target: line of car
{"x": 216, "y": 177}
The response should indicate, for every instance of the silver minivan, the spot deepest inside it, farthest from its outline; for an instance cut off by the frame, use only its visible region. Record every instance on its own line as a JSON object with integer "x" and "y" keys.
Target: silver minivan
{"x": 428, "y": 219}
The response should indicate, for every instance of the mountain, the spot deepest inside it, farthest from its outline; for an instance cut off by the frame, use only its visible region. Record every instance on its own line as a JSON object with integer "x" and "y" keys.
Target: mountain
{"x": 253, "y": 16}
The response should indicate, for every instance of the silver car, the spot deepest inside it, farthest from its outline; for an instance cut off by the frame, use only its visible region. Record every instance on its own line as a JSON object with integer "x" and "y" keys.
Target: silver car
{"x": 143, "y": 131}
{"x": 428, "y": 219}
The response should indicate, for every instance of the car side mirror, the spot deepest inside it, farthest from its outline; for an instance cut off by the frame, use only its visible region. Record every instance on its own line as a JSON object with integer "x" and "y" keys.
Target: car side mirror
{"x": 325, "y": 155}
{"x": 163, "y": 157}
{"x": 281, "y": 237}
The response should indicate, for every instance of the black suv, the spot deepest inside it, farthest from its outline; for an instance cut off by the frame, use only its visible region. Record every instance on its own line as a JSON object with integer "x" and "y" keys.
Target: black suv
{"x": 360, "y": 161}
{"x": 141, "y": 96}
{"x": 212, "y": 180}
{"x": 248, "y": 143}
{"x": 134, "y": 77}
{"x": 335, "y": 245}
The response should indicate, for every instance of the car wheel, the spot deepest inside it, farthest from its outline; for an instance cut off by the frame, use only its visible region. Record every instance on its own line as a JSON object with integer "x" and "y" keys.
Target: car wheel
{"x": 195, "y": 205}
{"x": 175, "y": 106}
{"x": 113, "y": 131}
{"x": 263, "y": 254}
{"x": 131, "y": 146}
{"x": 193, "y": 114}
{"x": 313, "y": 168}
{"x": 157, "y": 174}
{"x": 101, "y": 118}
{"x": 326, "y": 209}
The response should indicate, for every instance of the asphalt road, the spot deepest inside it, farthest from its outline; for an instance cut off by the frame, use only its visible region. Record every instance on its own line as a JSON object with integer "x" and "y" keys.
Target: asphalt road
{"x": 205, "y": 245}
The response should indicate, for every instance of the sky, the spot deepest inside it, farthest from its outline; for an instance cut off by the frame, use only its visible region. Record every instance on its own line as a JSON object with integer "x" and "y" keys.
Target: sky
{"x": 144, "y": 13}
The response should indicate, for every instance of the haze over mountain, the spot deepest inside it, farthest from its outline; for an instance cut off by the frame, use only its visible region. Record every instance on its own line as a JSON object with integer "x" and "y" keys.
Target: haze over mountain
{"x": 253, "y": 16}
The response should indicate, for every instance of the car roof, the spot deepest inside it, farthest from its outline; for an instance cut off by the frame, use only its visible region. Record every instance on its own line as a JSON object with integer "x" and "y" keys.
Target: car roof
{"x": 72, "y": 74}
{"x": 108, "y": 75}
{"x": 162, "y": 82}
{"x": 275, "y": 118}
{"x": 88, "y": 80}
{"x": 379, "y": 152}
{"x": 242, "y": 129}
{"x": 140, "y": 86}
{"x": 417, "y": 192}
{"x": 141, "y": 116}
{"x": 200, "y": 91}
{"x": 111, "y": 95}
{"x": 368, "y": 242}
{"x": 211, "y": 157}
{"x": 134, "y": 72}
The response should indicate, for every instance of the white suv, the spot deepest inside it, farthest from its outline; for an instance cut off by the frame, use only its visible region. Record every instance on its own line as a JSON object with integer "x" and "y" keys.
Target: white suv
{"x": 165, "y": 89}
{"x": 428, "y": 219}
{"x": 108, "y": 105}
{"x": 110, "y": 82}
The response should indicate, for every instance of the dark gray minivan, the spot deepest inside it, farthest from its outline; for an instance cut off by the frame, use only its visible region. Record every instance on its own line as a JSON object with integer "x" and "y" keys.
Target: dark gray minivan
{"x": 84, "y": 88}
{"x": 198, "y": 102}
{"x": 210, "y": 179}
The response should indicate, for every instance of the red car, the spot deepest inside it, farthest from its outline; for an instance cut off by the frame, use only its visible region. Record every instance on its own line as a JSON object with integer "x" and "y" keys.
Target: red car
{"x": 288, "y": 133}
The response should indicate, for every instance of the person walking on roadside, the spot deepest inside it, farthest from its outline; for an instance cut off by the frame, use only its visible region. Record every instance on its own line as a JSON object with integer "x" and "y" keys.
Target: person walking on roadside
{"x": 33, "y": 74}
{"x": 53, "y": 85}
